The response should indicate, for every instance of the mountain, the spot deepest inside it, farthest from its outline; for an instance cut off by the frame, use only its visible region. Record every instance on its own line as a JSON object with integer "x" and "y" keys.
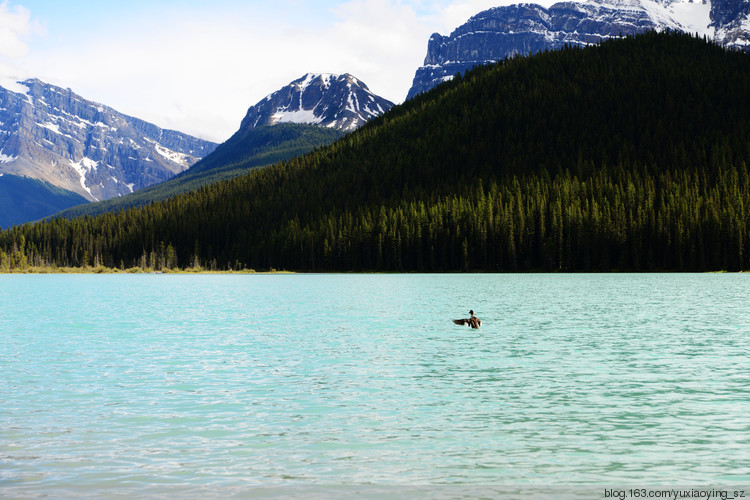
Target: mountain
{"x": 248, "y": 148}
{"x": 53, "y": 135}
{"x": 730, "y": 20}
{"x": 525, "y": 29}
{"x": 23, "y": 199}
{"x": 339, "y": 103}
{"x": 310, "y": 112}
{"x": 627, "y": 155}
{"x": 336, "y": 101}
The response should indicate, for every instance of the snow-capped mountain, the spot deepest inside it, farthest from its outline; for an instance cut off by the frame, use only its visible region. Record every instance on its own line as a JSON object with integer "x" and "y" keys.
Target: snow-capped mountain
{"x": 51, "y": 134}
{"x": 337, "y": 101}
{"x": 528, "y": 28}
{"x": 730, "y": 22}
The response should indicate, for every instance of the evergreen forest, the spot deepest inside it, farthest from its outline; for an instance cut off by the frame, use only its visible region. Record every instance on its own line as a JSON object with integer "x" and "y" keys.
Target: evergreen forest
{"x": 246, "y": 149}
{"x": 631, "y": 155}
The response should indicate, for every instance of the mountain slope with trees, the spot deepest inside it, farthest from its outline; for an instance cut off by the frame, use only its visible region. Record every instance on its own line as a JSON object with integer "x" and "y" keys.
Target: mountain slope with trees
{"x": 23, "y": 199}
{"x": 55, "y": 136}
{"x": 248, "y": 148}
{"x": 629, "y": 155}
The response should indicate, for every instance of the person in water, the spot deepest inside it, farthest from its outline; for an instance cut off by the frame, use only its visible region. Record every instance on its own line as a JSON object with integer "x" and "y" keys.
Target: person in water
{"x": 472, "y": 321}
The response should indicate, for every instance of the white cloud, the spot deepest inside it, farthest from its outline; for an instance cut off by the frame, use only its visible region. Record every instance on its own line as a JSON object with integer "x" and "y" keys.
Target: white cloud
{"x": 197, "y": 69}
{"x": 457, "y": 13}
{"x": 190, "y": 74}
{"x": 448, "y": 15}
{"x": 200, "y": 73}
{"x": 16, "y": 26}
{"x": 386, "y": 41}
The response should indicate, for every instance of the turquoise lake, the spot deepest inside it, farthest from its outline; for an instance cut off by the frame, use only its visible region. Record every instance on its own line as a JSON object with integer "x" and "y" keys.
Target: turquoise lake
{"x": 171, "y": 385}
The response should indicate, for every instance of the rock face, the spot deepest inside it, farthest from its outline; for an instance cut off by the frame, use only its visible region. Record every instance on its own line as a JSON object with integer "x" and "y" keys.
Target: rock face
{"x": 337, "y": 101}
{"x": 730, "y": 20}
{"x": 528, "y": 28}
{"x": 51, "y": 134}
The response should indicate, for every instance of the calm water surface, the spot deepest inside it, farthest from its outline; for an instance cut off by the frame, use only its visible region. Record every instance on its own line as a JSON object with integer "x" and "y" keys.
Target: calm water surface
{"x": 124, "y": 382}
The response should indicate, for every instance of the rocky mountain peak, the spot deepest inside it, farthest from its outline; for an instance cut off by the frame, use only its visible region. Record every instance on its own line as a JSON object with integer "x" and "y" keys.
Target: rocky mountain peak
{"x": 339, "y": 101}
{"x": 525, "y": 28}
{"x": 54, "y": 135}
{"x": 731, "y": 21}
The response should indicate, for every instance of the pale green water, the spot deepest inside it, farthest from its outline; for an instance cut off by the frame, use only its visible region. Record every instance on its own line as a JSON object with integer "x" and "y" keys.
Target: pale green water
{"x": 123, "y": 382}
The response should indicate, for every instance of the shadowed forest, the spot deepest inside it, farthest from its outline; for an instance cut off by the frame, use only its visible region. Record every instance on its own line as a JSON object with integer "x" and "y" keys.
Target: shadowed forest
{"x": 626, "y": 156}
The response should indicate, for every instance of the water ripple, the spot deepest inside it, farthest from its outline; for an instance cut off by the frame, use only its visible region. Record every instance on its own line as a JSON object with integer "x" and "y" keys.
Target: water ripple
{"x": 134, "y": 381}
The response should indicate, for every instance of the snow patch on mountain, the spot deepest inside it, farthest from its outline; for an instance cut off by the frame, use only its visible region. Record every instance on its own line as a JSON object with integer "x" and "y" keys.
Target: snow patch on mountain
{"x": 83, "y": 167}
{"x": 6, "y": 158}
{"x": 693, "y": 17}
{"x": 296, "y": 116}
{"x": 14, "y": 86}
{"x": 181, "y": 159}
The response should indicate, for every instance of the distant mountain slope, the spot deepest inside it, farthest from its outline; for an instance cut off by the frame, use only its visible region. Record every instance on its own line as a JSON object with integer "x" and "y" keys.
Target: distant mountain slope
{"x": 23, "y": 199}
{"x": 247, "y": 149}
{"x": 528, "y": 28}
{"x": 336, "y": 101}
{"x": 310, "y": 112}
{"x": 51, "y": 134}
{"x": 629, "y": 155}
{"x": 264, "y": 145}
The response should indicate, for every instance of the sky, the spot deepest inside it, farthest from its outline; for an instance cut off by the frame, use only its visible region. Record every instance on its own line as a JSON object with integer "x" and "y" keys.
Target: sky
{"x": 197, "y": 66}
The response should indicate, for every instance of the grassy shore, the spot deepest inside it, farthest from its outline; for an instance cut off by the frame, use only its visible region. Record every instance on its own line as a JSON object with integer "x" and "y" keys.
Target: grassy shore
{"x": 202, "y": 270}
{"x": 132, "y": 270}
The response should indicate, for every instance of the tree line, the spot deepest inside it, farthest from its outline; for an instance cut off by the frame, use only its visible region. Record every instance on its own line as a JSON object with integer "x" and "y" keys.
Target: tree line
{"x": 629, "y": 156}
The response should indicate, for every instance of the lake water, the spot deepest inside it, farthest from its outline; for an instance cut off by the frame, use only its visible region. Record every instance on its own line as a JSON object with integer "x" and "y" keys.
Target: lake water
{"x": 228, "y": 385}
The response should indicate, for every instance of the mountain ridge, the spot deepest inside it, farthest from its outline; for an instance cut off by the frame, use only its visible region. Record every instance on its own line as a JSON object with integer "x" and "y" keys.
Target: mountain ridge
{"x": 52, "y": 134}
{"x": 337, "y": 101}
{"x": 528, "y": 28}
{"x": 309, "y": 112}
{"x": 631, "y": 155}
{"x": 245, "y": 150}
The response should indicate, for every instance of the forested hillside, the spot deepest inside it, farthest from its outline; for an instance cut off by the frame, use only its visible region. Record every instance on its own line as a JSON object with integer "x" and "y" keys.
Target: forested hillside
{"x": 23, "y": 199}
{"x": 630, "y": 155}
{"x": 245, "y": 150}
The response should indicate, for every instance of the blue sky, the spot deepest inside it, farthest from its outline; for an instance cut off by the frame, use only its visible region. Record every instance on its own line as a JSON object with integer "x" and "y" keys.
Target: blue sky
{"x": 196, "y": 66}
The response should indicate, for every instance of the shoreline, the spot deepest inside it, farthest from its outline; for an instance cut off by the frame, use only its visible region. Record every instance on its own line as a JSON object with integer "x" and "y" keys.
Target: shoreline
{"x": 133, "y": 270}
{"x": 200, "y": 270}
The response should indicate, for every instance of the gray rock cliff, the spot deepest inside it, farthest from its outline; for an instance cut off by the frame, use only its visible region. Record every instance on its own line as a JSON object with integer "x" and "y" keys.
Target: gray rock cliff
{"x": 525, "y": 29}
{"x": 52, "y": 134}
{"x": 731, "y": 21}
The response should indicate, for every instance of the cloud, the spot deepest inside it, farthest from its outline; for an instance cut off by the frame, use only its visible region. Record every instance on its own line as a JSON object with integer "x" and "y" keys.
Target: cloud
{"x": 187, "y": 72}
{"x": 198, "y": 67}
{"x": 16, "y": 26}
{"x": 199, "y": 71}
{"x": 385, "y": 40}
{"x": 452, "y": 14}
